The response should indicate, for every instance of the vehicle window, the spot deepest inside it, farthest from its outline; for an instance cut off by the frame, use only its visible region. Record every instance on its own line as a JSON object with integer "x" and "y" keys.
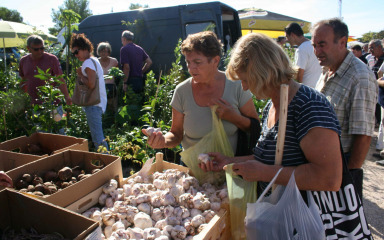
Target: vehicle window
{"x": 192, "y": 28}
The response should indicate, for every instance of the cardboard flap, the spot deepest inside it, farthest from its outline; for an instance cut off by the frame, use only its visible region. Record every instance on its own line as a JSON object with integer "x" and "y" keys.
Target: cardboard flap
{"x": 11, "y": 160}
{"x": 20, "y": 211}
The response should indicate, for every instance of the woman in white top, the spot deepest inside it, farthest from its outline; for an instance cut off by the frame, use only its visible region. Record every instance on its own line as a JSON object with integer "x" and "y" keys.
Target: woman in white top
{"x": 107, "y": 62}
{"x": 82, "y": 49}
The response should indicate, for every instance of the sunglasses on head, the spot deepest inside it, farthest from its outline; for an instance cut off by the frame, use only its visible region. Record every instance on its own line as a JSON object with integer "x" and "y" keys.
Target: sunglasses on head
{"x": 37, "y": 49}
{"x": 74, "y": 53}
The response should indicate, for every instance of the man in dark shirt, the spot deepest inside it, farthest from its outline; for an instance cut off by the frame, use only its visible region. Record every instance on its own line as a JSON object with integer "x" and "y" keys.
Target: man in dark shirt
{"x": 358, "y": 52}
{"x": 135, "y": 61}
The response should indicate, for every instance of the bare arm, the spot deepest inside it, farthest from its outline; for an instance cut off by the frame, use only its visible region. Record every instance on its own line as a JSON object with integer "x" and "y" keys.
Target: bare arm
{"x": 173, "y": 137}
{"x": 321, "y": 148}
{"x": 360, "y": 148}
{"x": 300, "y": 75}
{"x": 147, "y": 64}
{"x": 380, "y": 81}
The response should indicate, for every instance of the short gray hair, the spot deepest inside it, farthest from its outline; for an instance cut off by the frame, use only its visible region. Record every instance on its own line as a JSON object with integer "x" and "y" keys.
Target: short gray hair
{"x": 128, "y": 35}
{"x": 102, "y": 46}
{"x": 34, "y": 39}
{"x": 376, "y": 42}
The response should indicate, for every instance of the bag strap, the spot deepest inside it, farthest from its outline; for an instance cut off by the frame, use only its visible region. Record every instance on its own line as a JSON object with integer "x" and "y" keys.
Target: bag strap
{"x": 269, "y": 185}
{"x": 93, "y": 61}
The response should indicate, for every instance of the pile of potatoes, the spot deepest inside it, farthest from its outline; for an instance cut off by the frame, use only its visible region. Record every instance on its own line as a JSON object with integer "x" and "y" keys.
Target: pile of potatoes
{"x": 51, "y": 181}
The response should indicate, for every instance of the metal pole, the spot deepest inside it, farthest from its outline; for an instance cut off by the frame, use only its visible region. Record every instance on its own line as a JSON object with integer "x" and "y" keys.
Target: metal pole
{"x": 5, "y": 56}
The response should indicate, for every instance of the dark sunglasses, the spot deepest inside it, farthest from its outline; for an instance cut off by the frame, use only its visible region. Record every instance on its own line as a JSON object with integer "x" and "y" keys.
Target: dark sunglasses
{"x": 37, "y": 49}
{"x": 74, "y": 53}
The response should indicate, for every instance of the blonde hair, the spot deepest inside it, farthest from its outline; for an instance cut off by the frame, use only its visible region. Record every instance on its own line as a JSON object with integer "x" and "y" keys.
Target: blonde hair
{"x": 264, "y": 62}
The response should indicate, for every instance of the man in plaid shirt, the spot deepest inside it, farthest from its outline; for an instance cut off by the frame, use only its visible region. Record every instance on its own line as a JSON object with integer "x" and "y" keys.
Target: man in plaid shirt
{"x": 351, "y": 87}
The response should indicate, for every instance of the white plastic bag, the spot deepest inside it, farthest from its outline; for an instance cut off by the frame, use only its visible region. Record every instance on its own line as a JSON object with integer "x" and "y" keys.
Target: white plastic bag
{"x": 284, "y": 215}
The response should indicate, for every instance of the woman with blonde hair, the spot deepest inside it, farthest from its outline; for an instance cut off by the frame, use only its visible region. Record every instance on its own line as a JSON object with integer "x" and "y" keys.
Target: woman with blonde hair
{"x": 311, "y": 147}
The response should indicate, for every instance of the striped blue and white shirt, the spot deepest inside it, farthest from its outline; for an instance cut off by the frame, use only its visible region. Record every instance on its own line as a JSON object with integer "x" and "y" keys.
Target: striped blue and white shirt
{"x": 308, "y": 109}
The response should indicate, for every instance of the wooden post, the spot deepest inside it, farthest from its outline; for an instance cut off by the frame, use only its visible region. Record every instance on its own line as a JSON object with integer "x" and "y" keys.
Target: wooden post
{"x": 283, "y": 112}
{"x": 159, "y": 161}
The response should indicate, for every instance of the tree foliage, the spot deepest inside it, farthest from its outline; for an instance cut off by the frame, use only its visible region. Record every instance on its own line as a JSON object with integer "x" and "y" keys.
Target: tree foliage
{"x": 10, "y": 15}
{"x": 81, "y": 7}
{"x": 135, "y": 6}
{"x": 371, "y": 35}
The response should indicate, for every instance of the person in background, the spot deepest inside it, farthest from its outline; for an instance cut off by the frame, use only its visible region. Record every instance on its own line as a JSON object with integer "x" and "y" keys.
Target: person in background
{"x": 309, "y": 68}
{"x": 135, "y": 62}
{"x": 281, "y": 40}
{"x": 207, "y": 86}
{"x": 39, "y": 59}
{"x": 82, "y": 49}
{"x": 357, "y": 51}
{"x": 28, "y": 68}
{"x": 351, "y": 87}
{"x": 107, "y": 62}
{"x": 5, "y": 180}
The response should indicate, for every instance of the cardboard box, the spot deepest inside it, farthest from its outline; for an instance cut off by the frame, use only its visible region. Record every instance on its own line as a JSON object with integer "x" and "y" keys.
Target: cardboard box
{"x": 112, "y": 169}
{"x": 20, "y": 211}
{"x": 49, "y": 143}
{"x": 218, "y": 227}
{"x": 11, "y": 160}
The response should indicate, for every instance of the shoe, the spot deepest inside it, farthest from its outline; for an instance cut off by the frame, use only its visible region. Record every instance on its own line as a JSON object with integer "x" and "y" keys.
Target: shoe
{"x": 381, "y": 163}
{"x": 377, "y": 155}
{"x": 382, "y": 153}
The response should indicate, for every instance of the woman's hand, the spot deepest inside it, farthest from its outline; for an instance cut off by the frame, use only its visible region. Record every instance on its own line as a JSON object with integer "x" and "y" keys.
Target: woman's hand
{"x": 79, "y": 72}
{"x": 156, "y": 140}
{"x": 217, "y": 162}
{"x": 5, "y": 180}
{"x": 250, "y": 170}
{"x": 224, "y": 110}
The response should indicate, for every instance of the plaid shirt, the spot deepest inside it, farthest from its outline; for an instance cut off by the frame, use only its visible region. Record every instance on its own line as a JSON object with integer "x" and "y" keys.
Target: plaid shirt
{"x": 352, "y": 91}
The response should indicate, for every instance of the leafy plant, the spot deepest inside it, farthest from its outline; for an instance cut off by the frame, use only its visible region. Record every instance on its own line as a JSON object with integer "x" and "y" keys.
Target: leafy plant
{"x": 45, "y": 114}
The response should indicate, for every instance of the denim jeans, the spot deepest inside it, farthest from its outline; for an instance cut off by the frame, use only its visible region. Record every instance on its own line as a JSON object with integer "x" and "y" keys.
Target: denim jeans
{"x": 95, "y": 125}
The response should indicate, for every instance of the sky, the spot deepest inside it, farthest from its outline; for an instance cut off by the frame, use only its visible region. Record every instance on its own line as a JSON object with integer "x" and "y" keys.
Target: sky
{"x": 361, "y": 16}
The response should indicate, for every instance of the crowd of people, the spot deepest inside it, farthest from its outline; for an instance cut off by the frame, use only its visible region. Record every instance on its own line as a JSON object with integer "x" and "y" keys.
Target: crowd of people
{"x": 332, "y": 101}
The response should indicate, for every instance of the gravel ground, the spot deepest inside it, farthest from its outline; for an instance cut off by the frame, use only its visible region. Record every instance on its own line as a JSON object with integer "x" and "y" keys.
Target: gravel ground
{"x": 373, "y": 193}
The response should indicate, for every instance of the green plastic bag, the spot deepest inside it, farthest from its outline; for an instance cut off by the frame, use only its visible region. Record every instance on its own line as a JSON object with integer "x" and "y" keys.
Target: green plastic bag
{"x": 240, "y": 192}
{"x": 215, "y": 141}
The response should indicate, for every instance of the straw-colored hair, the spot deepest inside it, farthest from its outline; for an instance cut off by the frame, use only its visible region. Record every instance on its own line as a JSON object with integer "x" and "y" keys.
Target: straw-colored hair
{"x": 264, "y": 62}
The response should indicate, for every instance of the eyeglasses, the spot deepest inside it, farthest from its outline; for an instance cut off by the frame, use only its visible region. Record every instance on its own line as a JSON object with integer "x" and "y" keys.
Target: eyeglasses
{"x": 74, "y": 53}
{"x": 37, "y": 49}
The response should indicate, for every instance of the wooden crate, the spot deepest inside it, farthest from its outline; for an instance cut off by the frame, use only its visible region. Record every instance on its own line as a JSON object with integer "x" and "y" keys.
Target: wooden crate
{"x": 218, "y": 227}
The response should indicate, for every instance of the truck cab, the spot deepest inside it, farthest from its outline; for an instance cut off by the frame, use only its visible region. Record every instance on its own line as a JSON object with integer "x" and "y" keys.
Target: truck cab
{"x": 157, "y": 30}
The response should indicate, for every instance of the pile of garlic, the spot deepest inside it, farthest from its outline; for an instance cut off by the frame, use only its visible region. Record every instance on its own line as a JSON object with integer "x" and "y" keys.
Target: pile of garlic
{"x": 166, "y": 205}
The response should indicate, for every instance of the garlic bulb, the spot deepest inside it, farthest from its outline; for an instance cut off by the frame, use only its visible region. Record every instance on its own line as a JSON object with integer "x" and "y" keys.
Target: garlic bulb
{"x": 178, "y": 232}
{"x": 200, "y": 202}
{"x": 203, "y": 158}
{"x": 102, "y": 199}
{"x": 142, "y": 220}
{"x": 168, "y": 211}
{"x": 208, "y": 215}
{"x": 194, "y": 212}
{"x": 110, "y": 186}
{"x": 118, "y": 225}
{"x": 151, "y": 233}
{"x": 108, "y": 231}
{"x": 197, "y": 221}
{"x": 167, "y": 198}
{"x": 109, "y": 202}
{"x": 157, "y": 214}
{"x": 215, "y": 206}
{"x": 162, "y": 237}
{"x": 145, "y": 207}
{"x": 186, "y": 200}
{"x": 201, "y": 227}
{"x": 135, "y": 233}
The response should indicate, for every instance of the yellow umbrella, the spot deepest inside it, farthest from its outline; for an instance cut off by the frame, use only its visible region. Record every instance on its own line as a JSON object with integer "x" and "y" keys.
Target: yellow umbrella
{"x": 13, "y": 34}
{"x": 270, "y": 23}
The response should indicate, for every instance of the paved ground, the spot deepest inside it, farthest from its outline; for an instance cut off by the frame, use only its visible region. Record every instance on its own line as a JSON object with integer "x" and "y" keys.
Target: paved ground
{"x": 373, "y": 193}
